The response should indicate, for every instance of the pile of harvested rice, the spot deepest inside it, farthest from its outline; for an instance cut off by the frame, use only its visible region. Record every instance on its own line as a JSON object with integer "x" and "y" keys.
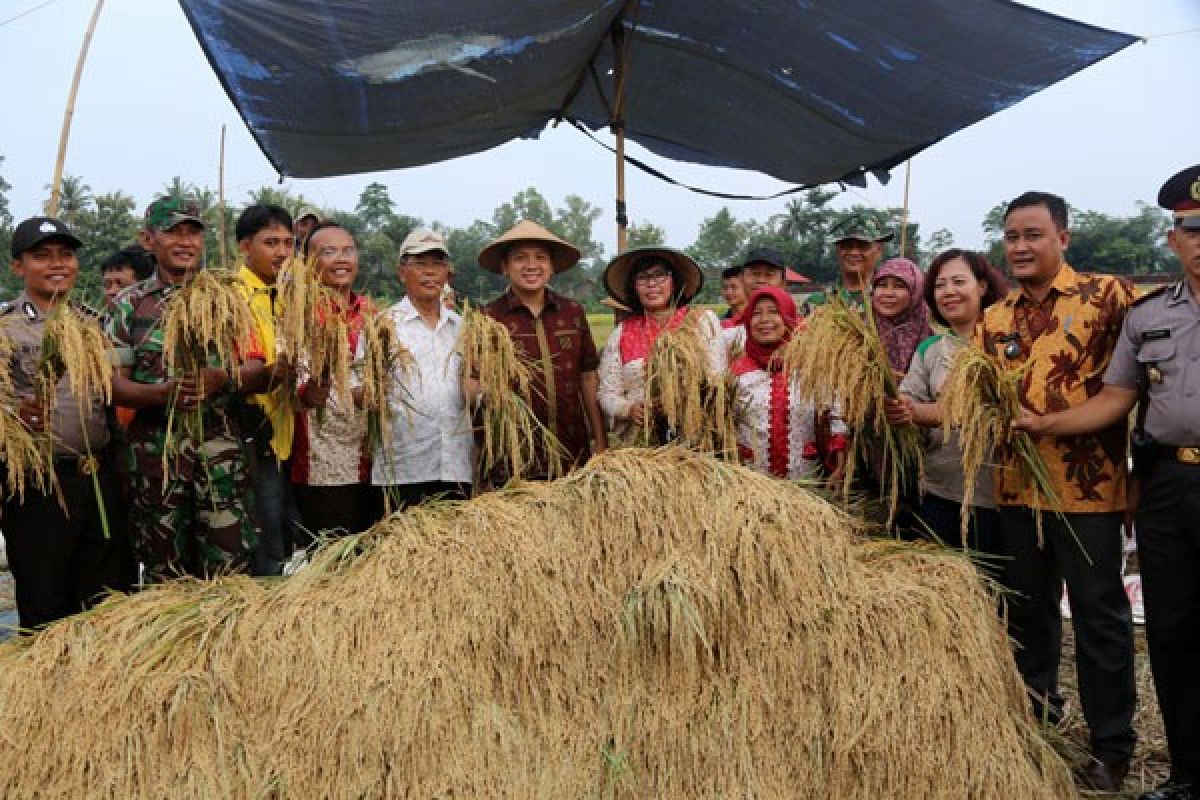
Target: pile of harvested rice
{"x": 657, "y": 624}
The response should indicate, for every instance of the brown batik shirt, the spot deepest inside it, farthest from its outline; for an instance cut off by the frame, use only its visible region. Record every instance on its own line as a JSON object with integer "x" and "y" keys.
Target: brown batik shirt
{"x": 1066, "y": 342}
{"x": 559, "y": 348}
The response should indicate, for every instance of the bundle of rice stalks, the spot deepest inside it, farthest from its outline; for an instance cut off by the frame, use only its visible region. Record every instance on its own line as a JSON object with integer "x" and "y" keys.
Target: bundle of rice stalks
{"x": 311, "y": 330}
{"x": 514, "y": 442}
{"x": 385, "y": 362}
{"x": 22, "y": 457}
{"x": 980, "y": 399}
{"x": 696, "y": 405}
{"x": 79, "y": 351}
{"x": 657, "y": 624}
{"x": 205, "y": 322}
{"x": 839, "y": 362}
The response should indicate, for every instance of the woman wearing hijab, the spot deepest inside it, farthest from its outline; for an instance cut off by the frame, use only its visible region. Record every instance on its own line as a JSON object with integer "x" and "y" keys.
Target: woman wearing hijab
{"x": 656, "y": 284}
{"x": 777, "y": 433}
{"x": 901, "y": 315}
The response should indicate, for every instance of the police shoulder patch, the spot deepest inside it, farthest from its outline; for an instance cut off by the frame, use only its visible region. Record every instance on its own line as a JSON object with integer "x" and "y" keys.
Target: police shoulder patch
{"x": 1154, "y": 293}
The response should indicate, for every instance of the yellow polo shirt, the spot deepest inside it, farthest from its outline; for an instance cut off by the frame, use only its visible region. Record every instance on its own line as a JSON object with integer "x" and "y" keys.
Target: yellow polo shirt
{"x": 265, "y": 307}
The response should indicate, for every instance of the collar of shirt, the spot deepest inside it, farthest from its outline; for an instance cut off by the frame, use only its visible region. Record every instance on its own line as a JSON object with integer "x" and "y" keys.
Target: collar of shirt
{"x": 514, "y": 303}
{"x": 408, "y": 313}
{"x": 1065, "y": 283}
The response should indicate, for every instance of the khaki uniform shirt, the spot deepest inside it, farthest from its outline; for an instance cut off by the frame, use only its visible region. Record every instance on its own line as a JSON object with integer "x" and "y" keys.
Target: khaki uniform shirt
{"x": 24, "y": 326}
{"x": 1162, "y": 335}
{"x": 943, "y": 455}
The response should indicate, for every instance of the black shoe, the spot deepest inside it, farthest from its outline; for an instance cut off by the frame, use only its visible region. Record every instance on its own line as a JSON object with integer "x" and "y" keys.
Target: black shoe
{"x": 1172, "y": 791}
{"x": 1105, "y": 776}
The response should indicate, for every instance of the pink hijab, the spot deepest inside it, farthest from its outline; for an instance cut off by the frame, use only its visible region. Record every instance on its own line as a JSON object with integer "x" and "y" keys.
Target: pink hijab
{"x": 902, "y": 333}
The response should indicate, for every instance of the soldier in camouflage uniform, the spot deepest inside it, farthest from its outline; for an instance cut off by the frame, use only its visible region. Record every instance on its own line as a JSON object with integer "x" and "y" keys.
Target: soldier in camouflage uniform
{"x": 194, "y": 519}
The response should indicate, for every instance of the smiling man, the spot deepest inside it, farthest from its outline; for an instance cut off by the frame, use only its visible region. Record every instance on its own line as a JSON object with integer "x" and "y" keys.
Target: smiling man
{"x": 552, "y": 332}
{"x": 858, "y": 242}
{"x": 266, "y": 243}
{"x": 429, "y": 452}
{"x": 1154, "y": 367}
{"x": 189, "y": 515}
{"x": 330, "y": 470}
{"x": 60, "y": 558}
{"x": 1061, "y": 326}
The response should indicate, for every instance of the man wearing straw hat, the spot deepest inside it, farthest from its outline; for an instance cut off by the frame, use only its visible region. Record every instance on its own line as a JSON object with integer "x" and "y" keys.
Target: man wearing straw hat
{"x": 61, "y": 556}
{"x": 193, "y": 518}
{"x": 1154, "y": 368}
{"x": 552, "y": 332}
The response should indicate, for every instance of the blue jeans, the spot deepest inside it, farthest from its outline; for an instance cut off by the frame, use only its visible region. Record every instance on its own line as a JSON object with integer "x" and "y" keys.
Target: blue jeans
{"x": 272, "y": 499}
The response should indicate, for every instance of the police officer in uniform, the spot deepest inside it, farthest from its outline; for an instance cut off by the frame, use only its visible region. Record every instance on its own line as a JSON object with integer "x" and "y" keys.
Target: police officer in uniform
{"x": 1156, "y": 367}
{"x": 61, "y": 562}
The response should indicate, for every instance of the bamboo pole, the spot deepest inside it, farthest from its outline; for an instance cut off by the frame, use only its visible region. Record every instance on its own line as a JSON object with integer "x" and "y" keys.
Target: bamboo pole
{"x": 221, "y": 201}
{"x": 56, "y": 184}
{"x": 621, "y": 58}
{"x": 904, "y": 215}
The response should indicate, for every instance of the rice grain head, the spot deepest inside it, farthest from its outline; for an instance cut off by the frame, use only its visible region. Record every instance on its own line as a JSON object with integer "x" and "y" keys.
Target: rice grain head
{"x": 980, "y": 400}
{"x": 838, "y": 361}
{"x": 697, "y": 405}
{"x": 513, "y": 441}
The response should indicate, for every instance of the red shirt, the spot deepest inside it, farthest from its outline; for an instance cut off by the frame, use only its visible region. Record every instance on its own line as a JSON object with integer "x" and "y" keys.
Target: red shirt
{"x": 559, "y": 348}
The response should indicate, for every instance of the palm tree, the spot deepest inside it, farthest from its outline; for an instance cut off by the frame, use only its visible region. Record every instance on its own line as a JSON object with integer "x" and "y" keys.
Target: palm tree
{"x": 74, "y": 197}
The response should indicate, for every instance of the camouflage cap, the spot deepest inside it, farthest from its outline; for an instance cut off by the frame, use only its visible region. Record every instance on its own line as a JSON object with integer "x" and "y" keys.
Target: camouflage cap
{"x": 167, "y": 212}
{"x": 865, "y": 227}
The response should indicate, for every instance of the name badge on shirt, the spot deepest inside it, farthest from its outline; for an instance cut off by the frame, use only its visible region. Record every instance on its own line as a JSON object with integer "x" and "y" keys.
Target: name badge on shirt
{"x": 1155, "y": 335}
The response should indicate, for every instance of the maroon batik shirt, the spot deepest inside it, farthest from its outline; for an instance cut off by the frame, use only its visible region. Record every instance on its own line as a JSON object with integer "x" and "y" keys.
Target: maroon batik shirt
{"x": 559, "y": 348}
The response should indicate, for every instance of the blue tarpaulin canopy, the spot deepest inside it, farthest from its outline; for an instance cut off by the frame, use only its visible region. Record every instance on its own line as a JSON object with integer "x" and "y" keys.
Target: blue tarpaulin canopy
{"x": 808, "y": 91}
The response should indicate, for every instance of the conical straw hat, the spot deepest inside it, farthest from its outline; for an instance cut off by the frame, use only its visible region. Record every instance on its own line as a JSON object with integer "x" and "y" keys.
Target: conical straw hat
{"x": 564, "y": 254}
{"x": 689, "y": 278}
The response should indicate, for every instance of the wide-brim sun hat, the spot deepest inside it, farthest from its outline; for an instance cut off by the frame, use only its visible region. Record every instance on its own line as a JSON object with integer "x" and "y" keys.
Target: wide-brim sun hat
{"x": 686, "y": 271}
{"x": 563, "y": 254}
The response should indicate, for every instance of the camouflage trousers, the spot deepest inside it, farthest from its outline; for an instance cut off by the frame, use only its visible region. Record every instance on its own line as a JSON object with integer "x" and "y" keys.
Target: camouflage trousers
{"x": 198, "y": 520}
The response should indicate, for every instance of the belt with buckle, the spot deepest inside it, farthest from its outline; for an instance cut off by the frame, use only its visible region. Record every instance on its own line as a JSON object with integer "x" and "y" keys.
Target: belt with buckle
{"x": 84, "y": 465}
{"x": 1187, "y": 455}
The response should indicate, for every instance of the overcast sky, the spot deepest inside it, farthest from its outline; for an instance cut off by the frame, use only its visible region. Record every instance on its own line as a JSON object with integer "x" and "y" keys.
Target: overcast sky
{"x": 150, "y": 108}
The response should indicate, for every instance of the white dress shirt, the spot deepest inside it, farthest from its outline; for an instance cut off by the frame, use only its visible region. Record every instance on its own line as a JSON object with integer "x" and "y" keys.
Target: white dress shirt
{"x": 430, "y": 431}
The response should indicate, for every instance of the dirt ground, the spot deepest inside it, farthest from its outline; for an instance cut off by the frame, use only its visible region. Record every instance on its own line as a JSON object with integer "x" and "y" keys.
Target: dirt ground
{"x": 1150, "y": 764}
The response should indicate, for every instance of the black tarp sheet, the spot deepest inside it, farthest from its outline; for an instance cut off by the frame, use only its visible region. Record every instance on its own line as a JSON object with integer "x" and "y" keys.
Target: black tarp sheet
{"x": 808, "y": 91}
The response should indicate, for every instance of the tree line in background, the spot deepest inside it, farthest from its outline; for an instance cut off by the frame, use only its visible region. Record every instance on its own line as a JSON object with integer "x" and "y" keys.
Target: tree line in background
{"x": 106, "y": 222}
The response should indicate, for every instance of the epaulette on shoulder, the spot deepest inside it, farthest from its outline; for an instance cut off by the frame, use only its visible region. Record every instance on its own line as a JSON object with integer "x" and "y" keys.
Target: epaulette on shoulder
{"x": 1152, "y": 293}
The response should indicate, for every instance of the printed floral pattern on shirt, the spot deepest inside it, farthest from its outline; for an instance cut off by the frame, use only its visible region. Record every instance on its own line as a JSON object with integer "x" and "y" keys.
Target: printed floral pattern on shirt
{"x": 1066, "y": 340}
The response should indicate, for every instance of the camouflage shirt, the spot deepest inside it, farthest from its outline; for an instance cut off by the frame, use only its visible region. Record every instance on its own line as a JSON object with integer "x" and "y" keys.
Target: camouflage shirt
{"x": 136, "y": 330}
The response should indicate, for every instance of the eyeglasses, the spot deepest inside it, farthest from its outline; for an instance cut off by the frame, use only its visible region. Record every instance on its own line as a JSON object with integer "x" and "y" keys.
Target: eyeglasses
{"x": 349, "y": 251}
{"x": 652, "y": 276}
